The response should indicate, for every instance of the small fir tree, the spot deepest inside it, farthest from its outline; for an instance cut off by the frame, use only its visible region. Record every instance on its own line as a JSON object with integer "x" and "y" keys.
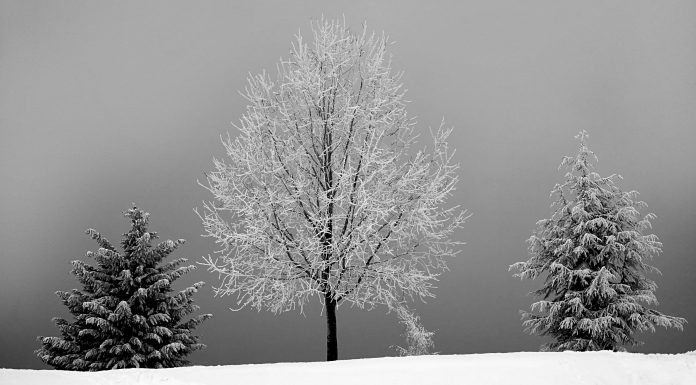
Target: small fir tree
{"x": 594, "y": 253}
{"x": 126, "y": 315}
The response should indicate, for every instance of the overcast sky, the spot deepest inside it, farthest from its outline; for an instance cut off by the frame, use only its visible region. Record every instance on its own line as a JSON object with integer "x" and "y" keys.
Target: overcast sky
{"x": 107, "y": 103}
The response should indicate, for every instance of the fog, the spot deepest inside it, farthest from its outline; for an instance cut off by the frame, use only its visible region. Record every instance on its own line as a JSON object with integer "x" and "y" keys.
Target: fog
{"x": 107, "y": 103}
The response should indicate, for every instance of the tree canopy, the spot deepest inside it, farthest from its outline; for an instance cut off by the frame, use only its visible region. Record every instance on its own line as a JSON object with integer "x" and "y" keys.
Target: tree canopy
{"x": 323, "y": 191}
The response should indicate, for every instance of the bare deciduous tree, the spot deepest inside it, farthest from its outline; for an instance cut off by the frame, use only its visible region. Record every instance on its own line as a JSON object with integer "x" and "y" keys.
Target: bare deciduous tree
{"x": 322, "y": 192}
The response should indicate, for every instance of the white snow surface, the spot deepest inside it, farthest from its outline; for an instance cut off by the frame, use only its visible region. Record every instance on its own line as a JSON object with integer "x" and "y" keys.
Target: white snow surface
{"x": 566, "y": 368}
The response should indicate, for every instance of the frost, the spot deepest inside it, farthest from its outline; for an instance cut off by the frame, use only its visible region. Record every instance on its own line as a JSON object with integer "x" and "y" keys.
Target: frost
{"x": 593, "y": 291}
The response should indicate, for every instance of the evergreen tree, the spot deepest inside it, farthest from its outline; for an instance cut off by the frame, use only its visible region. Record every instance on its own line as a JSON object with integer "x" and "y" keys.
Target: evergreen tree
{"x": 594, "y": 253}
{"x": 126, "y": 315}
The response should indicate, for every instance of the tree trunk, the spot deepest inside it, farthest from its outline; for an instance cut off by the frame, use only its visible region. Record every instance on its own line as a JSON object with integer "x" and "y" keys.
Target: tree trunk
{"x": 331, "y": 339}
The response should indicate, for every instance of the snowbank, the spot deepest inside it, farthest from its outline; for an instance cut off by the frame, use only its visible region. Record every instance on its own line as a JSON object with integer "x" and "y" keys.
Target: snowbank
{"x": 505, "y": 369}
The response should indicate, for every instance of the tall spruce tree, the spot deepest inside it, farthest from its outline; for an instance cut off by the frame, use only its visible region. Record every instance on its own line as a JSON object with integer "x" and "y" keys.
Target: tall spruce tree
{"x": 594, "y": 251}
{"x": 126, "y": 315}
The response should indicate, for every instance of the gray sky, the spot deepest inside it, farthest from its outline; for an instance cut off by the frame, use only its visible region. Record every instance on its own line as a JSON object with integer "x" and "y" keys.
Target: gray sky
{"x": 107, "y": 103}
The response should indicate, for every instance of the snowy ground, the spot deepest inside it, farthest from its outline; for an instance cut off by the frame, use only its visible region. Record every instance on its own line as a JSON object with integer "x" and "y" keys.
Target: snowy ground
{"x": 505, "y": 369}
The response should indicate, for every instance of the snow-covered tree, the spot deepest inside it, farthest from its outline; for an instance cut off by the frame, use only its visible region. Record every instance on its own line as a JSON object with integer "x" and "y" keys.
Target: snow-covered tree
{"x": 419, "y": 341}
{"x": 323, "y": 191}
{"x": 594, "y": 254}
{"x": 126, "y": 315}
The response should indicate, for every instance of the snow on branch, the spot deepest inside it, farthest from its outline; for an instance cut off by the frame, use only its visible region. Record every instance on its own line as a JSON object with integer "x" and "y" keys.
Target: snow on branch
{"x": 323, "y": 190}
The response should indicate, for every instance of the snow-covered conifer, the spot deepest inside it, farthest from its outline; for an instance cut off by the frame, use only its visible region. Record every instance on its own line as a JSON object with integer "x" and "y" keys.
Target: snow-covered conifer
{"x": 594, "y": 253}
{"x": 126, "y": 315}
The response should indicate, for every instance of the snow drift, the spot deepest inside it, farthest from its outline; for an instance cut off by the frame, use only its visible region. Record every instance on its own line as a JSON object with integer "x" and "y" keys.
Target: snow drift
{"x": 566, "y": 368}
